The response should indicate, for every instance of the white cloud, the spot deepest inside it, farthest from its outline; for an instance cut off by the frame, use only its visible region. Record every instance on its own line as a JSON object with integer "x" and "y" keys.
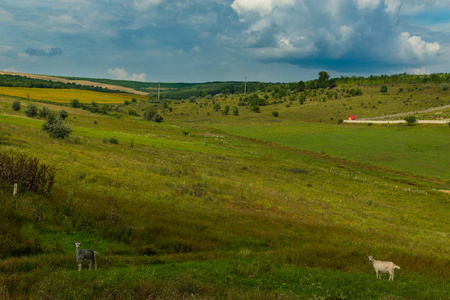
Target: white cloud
{"x": 138, "y": 77}
{"x": 122, "y": 74}
{"x": 261, "y": 7}
{"x": 119, "y": 73}
{"x": 368, "y": 4}
{"x": 420, "y": 71}
{"x": 415, "y": 47}
{"x": 196, "y": 49}
{"x": 145, "y": 4}
{"x": 11, "y": 69}
{"x": 368, "y": 31}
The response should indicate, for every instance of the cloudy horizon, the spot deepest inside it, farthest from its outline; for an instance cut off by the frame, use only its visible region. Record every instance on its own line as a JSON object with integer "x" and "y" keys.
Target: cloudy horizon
{"x": 224, "y": 40}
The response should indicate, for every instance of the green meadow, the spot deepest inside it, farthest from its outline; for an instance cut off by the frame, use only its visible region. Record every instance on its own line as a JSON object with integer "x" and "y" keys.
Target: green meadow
{"x": 215, "y": 205}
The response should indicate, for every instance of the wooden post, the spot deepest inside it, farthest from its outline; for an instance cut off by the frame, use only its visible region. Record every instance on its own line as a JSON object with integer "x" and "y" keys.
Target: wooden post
{"x": 15, "y": 190}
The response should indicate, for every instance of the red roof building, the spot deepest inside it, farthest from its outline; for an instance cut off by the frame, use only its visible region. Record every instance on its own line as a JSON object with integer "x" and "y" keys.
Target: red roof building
{"x": 352, "y": 117}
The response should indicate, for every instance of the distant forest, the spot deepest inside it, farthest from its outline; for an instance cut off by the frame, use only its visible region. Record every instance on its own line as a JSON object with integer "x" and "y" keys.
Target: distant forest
{"x": 194, "y": 90}
{"x": 22, "y": 81}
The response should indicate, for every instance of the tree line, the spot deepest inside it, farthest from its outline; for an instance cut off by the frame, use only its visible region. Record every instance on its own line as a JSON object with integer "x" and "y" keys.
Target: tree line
{"x": 22, "y": 81}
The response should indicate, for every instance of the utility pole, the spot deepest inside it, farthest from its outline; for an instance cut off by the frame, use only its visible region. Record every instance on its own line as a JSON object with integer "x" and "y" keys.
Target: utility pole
{"x": 245, "y": 86}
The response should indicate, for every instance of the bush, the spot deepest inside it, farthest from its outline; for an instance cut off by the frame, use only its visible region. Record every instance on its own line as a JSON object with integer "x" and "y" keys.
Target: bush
{"x": 383, "y": 89}
{"x": 75, "y": 103}
{"x": 410, "y": 120}
{"x": 31, "y": 110}
{"x": 216, "y": 107}
{"x": 444, "y": 86}
{"x": 44, "y": 112}
{"x": 63, "y": 114}
{"x": 152, "y": 115}
{"x": 133, "y": 112}
{"x": 16, "y": 105}
{"x": 28, "y": 172}
{"x": 55, "y": 127}
{"x": 113, "y": 140}
{"x": 255, "y": 109}
{"x": 275, "y": 113}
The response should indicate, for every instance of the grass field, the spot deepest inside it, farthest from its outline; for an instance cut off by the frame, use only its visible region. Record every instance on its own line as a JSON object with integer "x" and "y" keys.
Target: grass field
{"x": 418, "y": 149}
{"x": 212, "y": 206}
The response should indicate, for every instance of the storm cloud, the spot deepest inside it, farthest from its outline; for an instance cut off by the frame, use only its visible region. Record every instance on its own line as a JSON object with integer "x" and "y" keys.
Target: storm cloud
{"x": 202, "y": 40}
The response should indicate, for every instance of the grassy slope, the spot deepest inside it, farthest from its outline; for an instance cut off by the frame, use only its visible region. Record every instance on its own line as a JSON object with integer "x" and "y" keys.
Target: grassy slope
{"x": 228, "y": 217}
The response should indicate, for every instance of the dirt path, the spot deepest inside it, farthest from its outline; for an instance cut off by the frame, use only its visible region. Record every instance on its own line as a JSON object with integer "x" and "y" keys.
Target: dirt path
{"x": 80, "y": 82}
{"x": 406, "y": 113}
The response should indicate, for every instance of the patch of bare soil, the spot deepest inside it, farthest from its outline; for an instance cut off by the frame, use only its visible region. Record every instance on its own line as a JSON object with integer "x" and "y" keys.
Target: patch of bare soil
{"x": 80, "y": 82}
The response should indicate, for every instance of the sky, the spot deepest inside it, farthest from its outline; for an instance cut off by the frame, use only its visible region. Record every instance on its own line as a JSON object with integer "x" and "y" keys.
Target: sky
{"x": 224, "y": 40}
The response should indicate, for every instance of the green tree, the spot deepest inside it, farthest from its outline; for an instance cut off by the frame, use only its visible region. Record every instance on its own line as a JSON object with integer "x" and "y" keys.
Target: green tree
{"x": 55, "y": 127}
{"x": 383, "y": 89}
{"x": 236, "y": 111}
{"x": 75, "y": 103}
{"x": 216, "y": 107}
{"x": 226, "y": 111}
{"x": 410, "y": 120}
{"x": 44, "y": 112}
{"x": 16, "y": 105}
{"x": 31, "y": 110}
{"x": 63, "y": 114}
{"x": 152, "y": 116}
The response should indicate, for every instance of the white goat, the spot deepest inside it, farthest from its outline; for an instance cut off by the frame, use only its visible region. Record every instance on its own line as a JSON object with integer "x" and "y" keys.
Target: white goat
{"x": 85, "y": 254}
{"x": 383, "y": 267}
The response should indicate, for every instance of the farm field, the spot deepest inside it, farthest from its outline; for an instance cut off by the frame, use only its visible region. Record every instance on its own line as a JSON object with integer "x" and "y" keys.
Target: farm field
{"x": 418, "y": 150}
{"x": 206, "y": 205}
{"x": 67, "y": 95}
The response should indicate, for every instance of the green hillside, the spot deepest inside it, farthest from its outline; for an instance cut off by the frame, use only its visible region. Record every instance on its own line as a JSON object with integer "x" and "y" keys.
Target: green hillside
{"x": 266, "y": 195}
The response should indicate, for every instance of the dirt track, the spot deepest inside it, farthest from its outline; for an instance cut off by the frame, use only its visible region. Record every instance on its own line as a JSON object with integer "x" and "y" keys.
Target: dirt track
{"x": 80, "y": 82}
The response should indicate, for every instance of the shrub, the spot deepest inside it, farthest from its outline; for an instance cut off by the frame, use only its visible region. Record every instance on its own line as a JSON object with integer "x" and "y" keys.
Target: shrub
{"x": 157, "y": 118}
{"x": 55, "y": 127}
{"x": 28, "y": 172}
{"x": 63, "y": 114}
{"x": 410, "y": 120}
{"x": 383, "y": 89}
{"x": 75, "y": 103}
{"x": 16, "y": 105}
{"x": 132, "y": 112}
{"x": 114, "y": 140}
{"x": 236, "y": 111}
{"x": 444, "y": 86}
{"x": 44, "y": 112}
{"x": 255, "y": 109}
{"x": 275, "y": 113}
{"x": 216, "y": 107}
{"x": 152, "y": 115}
{"x": 31, "y": 110}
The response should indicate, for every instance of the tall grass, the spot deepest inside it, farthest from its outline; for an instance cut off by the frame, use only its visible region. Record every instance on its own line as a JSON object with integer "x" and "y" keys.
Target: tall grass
{"x": 210, "y": 215}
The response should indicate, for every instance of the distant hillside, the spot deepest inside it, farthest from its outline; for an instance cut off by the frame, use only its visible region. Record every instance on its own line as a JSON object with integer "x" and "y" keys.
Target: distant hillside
{"x": 177, "y": 90}
{"x": 182, "y": 90}
{"x": 43, "y": 81}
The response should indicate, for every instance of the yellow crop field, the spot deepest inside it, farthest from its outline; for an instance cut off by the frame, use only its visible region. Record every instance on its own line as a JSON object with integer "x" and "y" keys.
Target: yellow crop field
{"x": 67, "y": 95}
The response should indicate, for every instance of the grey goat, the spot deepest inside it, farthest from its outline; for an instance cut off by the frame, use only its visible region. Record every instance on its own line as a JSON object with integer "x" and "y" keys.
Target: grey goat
{"x": 85, "y": 254}
{"x": 383, "y": 267}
